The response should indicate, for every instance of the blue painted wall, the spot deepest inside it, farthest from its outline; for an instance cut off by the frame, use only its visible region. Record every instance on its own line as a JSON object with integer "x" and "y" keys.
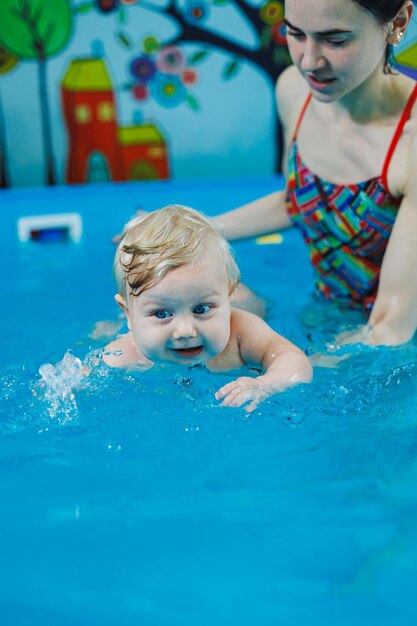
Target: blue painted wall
{"x": 230, "y": 134}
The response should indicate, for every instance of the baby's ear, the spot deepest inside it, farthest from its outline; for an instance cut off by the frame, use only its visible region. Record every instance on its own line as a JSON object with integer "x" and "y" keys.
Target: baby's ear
{"x": 123, "y": 305}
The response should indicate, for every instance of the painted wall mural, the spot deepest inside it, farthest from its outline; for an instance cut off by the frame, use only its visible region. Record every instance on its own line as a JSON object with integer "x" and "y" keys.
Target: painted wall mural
{"x": 100, "y": 149}
{"x": 406, "y": 59}
{"x": 35, "y": 30}
{"x": 142, "y": 89}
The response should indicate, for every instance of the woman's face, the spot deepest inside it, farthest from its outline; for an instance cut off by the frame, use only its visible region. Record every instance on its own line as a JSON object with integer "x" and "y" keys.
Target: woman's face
{"x": 335, "y": 45}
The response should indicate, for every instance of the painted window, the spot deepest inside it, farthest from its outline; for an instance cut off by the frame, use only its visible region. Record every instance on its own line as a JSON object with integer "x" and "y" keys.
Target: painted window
{"x": 82, "y": 114}
{"x": 105, "y": 112}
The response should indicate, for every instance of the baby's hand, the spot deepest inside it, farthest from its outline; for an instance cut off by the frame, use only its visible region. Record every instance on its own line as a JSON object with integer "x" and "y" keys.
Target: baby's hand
{"x": 242, "y": 390}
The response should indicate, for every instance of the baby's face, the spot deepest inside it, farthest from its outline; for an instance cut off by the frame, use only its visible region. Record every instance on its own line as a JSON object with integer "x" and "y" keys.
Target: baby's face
{"x": 185, "y": 318}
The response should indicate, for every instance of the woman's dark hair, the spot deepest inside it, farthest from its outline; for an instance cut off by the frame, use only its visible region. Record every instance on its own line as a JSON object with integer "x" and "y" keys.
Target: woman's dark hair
{"x": 384, "y": 11}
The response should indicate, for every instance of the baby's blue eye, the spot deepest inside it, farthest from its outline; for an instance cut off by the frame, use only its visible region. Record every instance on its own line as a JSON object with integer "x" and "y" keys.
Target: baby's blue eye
{"x": 162, "y": 314}
{"x": 200, "y": 309}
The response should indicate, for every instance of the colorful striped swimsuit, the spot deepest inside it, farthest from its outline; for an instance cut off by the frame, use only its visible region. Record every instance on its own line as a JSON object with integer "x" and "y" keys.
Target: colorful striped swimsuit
{"x": 346, "y": 227}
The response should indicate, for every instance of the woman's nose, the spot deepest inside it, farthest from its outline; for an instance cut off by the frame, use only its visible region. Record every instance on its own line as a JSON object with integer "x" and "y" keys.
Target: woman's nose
{"x": 312, "y": 58}
{"x": 184, "y": 329}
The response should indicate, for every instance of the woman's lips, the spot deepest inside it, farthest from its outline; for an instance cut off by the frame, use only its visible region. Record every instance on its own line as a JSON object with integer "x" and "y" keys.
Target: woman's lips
{"x": 319, "y": 82}
{"x": 188, "y": 352}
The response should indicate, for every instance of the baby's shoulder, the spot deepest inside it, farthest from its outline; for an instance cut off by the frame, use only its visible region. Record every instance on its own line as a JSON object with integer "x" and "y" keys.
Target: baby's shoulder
{"x": 244, "y": 324}
{"x": 241, "y": 316}
{"x": 121, "y": 352}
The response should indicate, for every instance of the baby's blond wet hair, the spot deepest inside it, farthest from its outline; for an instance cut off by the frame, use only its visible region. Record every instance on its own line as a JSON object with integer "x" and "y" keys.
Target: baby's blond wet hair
{"x": 165, "y": 239}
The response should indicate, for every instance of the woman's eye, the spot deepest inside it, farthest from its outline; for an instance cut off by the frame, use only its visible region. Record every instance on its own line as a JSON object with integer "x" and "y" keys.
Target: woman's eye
{"x": 162, "y": 314}
{"x": 336, "y": 42}
{"x": 295, "y": 35}
{"x": 200, "y": 309}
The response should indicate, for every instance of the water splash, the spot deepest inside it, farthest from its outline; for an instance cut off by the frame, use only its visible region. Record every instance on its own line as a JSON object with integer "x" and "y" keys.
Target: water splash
{"x": 57, "y": 386}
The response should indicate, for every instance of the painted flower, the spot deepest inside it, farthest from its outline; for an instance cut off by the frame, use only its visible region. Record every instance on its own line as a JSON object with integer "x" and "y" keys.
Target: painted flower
{"x": 150, "y": 44}
{"x": 272, "y": 12}
{"x": 107, "y": 6}
{"x": 189, "y": 76}
{"x": 196, "y": 11}
{"x": 279, "y": 33}
{"x": 140, "y": 91}
{"x": 168, "y": 90}
{"x": 143, "y": 68}
{"x": 170, "y": 60}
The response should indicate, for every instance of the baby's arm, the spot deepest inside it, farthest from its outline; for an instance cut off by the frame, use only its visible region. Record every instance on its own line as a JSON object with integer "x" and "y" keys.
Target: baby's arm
{"x": 284, "y": 364}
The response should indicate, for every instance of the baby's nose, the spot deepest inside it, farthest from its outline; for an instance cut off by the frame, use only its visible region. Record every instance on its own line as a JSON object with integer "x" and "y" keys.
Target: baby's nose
{"x": 184, "y": 329}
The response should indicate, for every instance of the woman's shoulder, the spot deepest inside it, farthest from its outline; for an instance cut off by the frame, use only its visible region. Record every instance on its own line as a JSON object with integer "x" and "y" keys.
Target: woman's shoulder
{"x": 291, "y": 90}
{"x": 411, "y": 157}
{"x": 401, "y": 174}
{"x": 413, "y": 96}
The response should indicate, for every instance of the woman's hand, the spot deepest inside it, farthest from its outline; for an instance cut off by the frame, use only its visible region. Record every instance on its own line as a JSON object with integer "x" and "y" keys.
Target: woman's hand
{"x": 382, "y": 334}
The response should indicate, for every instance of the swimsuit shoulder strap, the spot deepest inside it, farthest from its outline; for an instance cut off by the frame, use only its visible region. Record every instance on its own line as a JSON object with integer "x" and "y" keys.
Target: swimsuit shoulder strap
{"x": 398, "y": 132}
{"x": 300, "y": 117}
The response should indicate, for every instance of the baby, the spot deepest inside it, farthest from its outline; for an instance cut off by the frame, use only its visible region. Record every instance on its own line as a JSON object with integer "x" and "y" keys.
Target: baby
{"x": 175, "y": 274}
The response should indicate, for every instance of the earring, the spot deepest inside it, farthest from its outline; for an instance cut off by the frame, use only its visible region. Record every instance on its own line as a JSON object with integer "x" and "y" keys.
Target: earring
{"x": 399, "y": 37}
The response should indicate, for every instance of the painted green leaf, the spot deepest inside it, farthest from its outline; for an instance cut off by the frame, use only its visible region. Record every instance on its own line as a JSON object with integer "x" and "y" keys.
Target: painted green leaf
{"x": 231, "y": 69}
{"x": 124, "y": 39}
{"x": 266, "y": 36}
{"x": 192, "y": 102}
{"x": 122, "y": 15}
{"x": 197, "y": 57}
{"x": 281, "y": 57}
{"x": 84, "y": 7}
{"x": 33, "y": 29}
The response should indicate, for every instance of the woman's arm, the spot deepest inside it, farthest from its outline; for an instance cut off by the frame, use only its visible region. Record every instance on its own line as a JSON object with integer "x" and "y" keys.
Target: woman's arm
{"x": 261, "y": 216}
{"x": 269, "y": 213}
{"x": 393, "y": 320}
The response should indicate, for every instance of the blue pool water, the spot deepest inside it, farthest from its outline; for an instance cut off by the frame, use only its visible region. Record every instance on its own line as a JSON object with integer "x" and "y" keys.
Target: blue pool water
{"x": 136, "y": 500}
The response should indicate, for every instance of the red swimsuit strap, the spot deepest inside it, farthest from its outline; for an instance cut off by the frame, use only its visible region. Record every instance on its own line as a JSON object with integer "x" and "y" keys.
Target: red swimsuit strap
{"x": 300, "y": 117}
{"x": 400, "y": 127}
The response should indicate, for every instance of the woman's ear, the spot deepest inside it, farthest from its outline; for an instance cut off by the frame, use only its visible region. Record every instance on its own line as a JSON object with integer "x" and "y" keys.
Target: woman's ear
{"x": 399, "y": 24}
{"x": 123, "y": 305}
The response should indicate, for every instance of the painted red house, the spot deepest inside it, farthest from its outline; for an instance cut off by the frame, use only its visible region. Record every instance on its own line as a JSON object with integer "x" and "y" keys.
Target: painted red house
{"x": 98, "y": 148}
{"x": 144, "y": 154}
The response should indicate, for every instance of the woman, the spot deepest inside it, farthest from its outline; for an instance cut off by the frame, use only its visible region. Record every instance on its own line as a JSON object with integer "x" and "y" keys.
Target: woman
{"x": 350, "y": 126}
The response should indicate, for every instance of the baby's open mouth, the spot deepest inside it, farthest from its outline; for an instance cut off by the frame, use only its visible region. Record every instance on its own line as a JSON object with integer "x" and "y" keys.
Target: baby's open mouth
{"x": 188, "y": 352}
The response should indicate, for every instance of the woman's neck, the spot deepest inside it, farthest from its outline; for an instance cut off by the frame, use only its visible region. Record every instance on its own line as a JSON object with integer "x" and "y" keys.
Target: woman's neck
{"x": 378, "y": 97}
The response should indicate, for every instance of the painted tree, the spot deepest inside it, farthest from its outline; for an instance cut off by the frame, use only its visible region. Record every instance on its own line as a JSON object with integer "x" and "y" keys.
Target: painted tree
{"x": 161, "y": 70}
{"x": 8, "y": 62}
{"x": 36, "y": 30}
